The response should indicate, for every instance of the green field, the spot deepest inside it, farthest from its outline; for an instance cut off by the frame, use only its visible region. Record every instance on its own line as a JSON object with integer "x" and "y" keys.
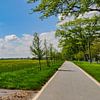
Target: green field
{"x": 25, "y": 74}
{"x": 93, "y": 69}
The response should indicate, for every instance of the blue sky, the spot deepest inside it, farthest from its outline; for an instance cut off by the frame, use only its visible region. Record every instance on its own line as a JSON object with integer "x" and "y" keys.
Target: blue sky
{"x": 17, "y": 27}
{"x": 15, "y": 19}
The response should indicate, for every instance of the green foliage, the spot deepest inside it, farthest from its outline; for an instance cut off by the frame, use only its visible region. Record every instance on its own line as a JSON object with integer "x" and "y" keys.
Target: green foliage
{"x": 46, "y": 51}
{"x": 24, "y": 74}
{"x": 51, "y": 52}
{"x": 64, "y": 7}
{"x": 75, "y": 36}
{"x": 78, "y": 35}
{"x": 36, "y": 49}
{"x": 95, "y": 48}
{"x": 79, "y": 56}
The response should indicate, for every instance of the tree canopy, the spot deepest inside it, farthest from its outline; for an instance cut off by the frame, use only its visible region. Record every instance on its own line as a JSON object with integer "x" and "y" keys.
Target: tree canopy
{"x": 65, "y": 7}
{"x": 36, "y": 48}
{"x": 78, "y": 36}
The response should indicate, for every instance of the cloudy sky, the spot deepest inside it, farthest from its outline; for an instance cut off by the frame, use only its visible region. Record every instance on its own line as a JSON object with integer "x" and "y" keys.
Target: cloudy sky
{"x": 17, "y": 27}
{"x": 12, "y": 46}
{"x": 85, "y": 15}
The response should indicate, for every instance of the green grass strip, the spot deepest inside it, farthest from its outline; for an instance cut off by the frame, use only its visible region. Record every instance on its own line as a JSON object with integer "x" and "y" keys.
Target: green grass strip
{"x": 93, "y": 69}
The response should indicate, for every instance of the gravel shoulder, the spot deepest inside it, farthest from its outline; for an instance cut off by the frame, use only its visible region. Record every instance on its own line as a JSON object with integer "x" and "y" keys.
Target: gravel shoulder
{"x": 6, "y": 94}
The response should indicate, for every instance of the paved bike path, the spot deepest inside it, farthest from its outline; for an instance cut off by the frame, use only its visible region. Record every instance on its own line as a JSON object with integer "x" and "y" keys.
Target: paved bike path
{"x": 70, "y": 83}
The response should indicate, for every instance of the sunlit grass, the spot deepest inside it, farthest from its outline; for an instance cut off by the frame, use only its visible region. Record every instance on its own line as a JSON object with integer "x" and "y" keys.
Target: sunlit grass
{"x": 25, "y": 74}
{"x": 93, "y": 69}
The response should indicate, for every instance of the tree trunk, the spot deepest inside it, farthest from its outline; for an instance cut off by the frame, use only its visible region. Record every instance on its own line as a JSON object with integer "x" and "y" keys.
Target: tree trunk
{"x": 90, "y": 56}
{"x": 48, "y": 65}
{"x": 40, "y": 63}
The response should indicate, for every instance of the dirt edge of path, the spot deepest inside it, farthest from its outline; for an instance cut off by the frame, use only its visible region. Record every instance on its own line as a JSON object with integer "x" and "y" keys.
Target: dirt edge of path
{"x": 18, "y": 95}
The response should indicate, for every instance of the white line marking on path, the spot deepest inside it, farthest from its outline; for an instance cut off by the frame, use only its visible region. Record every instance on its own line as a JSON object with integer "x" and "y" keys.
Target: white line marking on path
{"x": 89, "y": 76}
{"x": 43, "y": 88}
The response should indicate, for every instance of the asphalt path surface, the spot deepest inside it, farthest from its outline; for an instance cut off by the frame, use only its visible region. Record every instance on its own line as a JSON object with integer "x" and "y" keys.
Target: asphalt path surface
{"x": 70, "y": 83}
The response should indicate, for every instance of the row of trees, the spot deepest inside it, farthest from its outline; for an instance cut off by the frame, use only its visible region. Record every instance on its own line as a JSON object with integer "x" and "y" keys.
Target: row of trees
{"x": 80, "y": 39}
{"x": 49, "y": 53}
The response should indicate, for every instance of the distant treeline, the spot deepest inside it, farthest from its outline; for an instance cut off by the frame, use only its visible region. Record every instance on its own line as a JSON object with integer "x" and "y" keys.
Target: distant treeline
{"x": 14, "y": 58}
{"x": 31, "y": 58}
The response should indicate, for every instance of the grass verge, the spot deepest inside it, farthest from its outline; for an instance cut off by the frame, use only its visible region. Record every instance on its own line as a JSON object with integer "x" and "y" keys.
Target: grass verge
{"x": 92, "y": 69}
{"x": 25, "y": 74}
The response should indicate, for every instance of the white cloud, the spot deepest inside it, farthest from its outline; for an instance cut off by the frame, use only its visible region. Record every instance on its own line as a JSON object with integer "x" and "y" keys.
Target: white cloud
{"x": 67, "y": 19}
{"x": 85, "y": 15}
{"x": 10, "y": 37}
{"x": 51, "y": 39}
{"x": 12, "y": 46}
{"x": 89, "y": 14}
